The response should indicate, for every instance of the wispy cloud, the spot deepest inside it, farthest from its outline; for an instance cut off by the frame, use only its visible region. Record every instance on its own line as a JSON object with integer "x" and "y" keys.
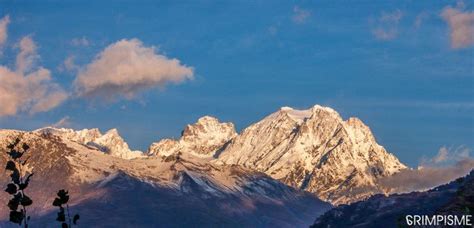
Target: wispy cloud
{"x": 273, "y": 30}
{"x": 80, "y": 42}
{"x": 420, "y": 18}
{"x": 385, "y": 27}
{"x": 447, "y": 156}
{"x": 26, "y": 59}
{"x": 28, "y": 88}
{"x": 300, "y": 15}
{"x": 3, "y": 29}
{"x": 447, "y": 165}
{"x": 63, "y": 122}
{"x": 126, "y": 68}
{"x": 461, "y": 25}
{"x": 69, "y": 64}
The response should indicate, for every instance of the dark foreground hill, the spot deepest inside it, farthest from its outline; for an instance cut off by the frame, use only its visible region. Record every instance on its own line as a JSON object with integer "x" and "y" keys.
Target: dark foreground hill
{"x": 455, "y": 198}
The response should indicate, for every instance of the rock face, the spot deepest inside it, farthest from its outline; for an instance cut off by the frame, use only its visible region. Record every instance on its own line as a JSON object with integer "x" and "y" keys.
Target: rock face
{"x": 179, "y": 190}
{"x": 314, "y": 150}
{"x": 111, "y": 142}
{"x": 455, "y": 198}
{"x": 203, "y": 139}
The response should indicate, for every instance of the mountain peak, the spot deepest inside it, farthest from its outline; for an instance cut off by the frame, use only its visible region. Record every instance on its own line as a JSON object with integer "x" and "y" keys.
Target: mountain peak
{"x": 207, "y": 126}
{"x": 315, "y": 150}
{"x": 286, "y": 108}
{"x": 324, "y": 112}
{"x": 113, "y": 132}
{"x": 81, "y": 136}
{"x": 355, "y": 121}
{"x": 205, "y": 119}
{"x": 301, "y": 115}
{"x": 202, "y": 139}
{"x": 111, "y": 142}
{"x": 322, "y": 108}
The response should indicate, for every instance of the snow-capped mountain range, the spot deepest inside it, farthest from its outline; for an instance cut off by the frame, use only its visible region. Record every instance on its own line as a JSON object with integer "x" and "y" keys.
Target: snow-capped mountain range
{"x": 289, "y": 156}
{"x": 173, "y": 191}
{"x": 314, "y": 150}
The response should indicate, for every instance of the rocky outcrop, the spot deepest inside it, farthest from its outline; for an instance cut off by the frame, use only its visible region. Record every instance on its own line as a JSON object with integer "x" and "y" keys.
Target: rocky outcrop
{"x": 203, "y": 139}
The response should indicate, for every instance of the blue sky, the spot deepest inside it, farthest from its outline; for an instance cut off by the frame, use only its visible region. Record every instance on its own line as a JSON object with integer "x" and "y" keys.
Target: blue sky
{"x": 393, "y": 64}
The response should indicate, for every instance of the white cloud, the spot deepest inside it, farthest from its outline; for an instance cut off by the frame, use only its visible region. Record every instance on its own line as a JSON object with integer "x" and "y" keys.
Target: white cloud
{"x": 425, "y": 178}
{"x": 300, "y": 15}
{"x": 69, "y": 64}
{"x": 27, "y": 57}
{"x": 447, "y": 165}
{"x": 3, "y": 31}
{"x": 447, "y": 156}
{"x": 125, "y": 68}
{"x": 78, "y": 42}
{"x": 28, "y": 88}
{"x": 420, "y": 18}
{"x": 441, "y": 156}
{"x": 386, "y": 26}
{"x": 63, "y": 122}
{"x": 461, "y": 25}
